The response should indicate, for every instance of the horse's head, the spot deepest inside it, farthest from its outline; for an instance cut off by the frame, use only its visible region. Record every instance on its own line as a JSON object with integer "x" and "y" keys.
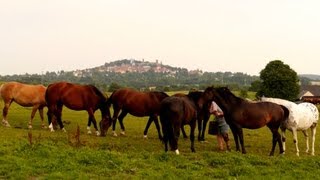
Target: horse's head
{"x": 106, "y": 120}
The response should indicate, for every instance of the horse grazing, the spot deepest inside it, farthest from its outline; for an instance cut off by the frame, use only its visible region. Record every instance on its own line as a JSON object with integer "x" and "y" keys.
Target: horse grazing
{"x": 77, "y": 97}
{"x": 138, "y": 104}
{"x": 176, "y": 111}
{"x": 240, "y": 113}
{"x": 302, "y": 117}
{"x": 203, "y": 116}
{"x": 24, "y": 95}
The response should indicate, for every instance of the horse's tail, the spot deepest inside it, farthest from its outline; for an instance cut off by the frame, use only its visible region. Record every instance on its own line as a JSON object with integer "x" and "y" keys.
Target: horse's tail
{"x": 286, "y": 112}
{"x": 166, "y": 117}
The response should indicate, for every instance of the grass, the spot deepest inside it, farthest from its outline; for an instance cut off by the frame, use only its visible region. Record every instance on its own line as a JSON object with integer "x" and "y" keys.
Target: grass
{"x": 40, "y": 154}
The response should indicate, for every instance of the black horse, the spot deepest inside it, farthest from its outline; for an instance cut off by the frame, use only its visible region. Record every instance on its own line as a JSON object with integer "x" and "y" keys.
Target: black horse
{"x": 240, "y": 113}
{"x": 176, "y": 112}
{"x": 138, "y": 104}
{"x": 203, "y": 116}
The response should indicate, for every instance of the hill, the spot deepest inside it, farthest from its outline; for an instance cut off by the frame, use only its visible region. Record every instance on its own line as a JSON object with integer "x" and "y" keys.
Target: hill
{"x": 311, "y": 76}
{"x": 140, "y": 75}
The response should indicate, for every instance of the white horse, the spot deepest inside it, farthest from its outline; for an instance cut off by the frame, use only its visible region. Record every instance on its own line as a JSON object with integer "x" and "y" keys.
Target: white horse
{"x": 301, "y": 117}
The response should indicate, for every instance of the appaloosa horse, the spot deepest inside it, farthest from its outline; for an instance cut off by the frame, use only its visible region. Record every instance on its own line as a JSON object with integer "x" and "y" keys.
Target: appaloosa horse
{"x": 302, "y": 117}
{"x": 25, "y": 95}
{"x": 77, "y": 97}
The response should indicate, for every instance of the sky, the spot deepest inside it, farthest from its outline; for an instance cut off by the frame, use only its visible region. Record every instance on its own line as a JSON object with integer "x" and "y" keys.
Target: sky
{"x": 37, "y": 36}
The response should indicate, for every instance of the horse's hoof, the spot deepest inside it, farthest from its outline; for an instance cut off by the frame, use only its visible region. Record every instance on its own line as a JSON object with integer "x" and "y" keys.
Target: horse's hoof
{"x": 89, "y": 132}
{"x": 44, "y": 127}
{"x": 123, "y": 133}
{"x": 145, "y": 136}
{"x": 97, "y": 133}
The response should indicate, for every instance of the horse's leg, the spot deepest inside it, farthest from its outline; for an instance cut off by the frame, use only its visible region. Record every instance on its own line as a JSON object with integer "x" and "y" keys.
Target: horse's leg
{"x": 204, "y": 126}
{"x": 5, "y": 113}
{"x": 276, "y": 137}
{"x": 34, "y": 110}
{"x": 121, "y": 117}
{"x": 295, "y": 140}
{"x": 192, "y": 128}
{"x": 156, "y": 122}
{"x": 58, "y": 114}
{"x": 50, "y": 114}
{"x": 176, "y": 130}
{"x": 184, "y": 134}
{"x": 116, "y": 111}
{"x": 145, "y": 132}
{"x": 199, "y": 120}
{"x": 313, "y": 134}
{"x": 306, "y": 136}
{"x": 235, "y": 137}
{"x": 41, "y": 117}
{"x": 93, "y": 120}
{"x": 283, "y": 138}
{"x": 240, "y": 132}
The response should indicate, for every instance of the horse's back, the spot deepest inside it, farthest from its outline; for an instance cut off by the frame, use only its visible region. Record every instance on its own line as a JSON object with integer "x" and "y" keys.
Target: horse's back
{"x": 23, "y": 94}
{"x": 137, "y": 103}
{"x": 178, "y": 109}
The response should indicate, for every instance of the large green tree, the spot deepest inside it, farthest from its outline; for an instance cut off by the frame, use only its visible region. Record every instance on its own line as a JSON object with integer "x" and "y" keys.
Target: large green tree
{"x": 279, "y": 80}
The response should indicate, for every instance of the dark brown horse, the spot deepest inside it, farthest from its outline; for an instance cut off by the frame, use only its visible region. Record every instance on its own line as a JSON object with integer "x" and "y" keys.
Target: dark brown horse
{"x": 138, "y": 104}
{"x": 77, "y": 97}
{"x": 203, "y": 116}
{"x": 176, "y": 111}
{"x": 25, "y": 95}
{"x": 240, "y": 113}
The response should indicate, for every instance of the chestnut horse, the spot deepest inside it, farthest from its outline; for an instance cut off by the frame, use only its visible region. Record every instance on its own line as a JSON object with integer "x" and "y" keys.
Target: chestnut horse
{"x": 77, "y": 97}
{"x": 138, "y": 104}
{"x": 240, "y": 113}
{"x": 176, "y": 111}
{"x": 24, "y": 95}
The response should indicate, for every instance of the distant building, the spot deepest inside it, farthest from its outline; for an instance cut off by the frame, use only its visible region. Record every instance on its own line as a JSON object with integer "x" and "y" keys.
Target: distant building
{"x": 310, "y": 93}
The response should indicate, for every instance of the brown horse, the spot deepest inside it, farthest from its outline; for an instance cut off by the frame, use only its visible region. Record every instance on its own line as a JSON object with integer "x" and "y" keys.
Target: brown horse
{"x": 240, "y": 113}
{"x": 77, "y": 97}
{"x": 203, "y": 116}
{"x": 24, "y": 95}
{"x": 176, "y": 111}
{"x": 138, "y": 104}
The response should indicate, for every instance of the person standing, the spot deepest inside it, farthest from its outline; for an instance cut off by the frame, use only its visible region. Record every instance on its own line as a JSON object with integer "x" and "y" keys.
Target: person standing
{"x": 223, "y": 127}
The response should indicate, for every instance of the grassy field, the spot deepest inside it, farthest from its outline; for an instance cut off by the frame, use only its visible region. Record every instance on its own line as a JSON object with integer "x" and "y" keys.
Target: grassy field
{"x": 40, "y": 154}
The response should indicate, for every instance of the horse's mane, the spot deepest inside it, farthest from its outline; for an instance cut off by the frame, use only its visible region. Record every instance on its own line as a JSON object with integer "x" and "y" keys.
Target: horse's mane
{"x": 226, "y": 91}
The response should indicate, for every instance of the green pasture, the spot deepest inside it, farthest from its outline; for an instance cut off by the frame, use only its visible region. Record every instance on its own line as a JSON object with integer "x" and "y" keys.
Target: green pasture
{"x": 40, "y": 154}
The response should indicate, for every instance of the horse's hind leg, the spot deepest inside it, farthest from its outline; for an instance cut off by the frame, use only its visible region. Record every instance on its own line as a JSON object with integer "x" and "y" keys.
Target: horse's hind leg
{"x": 121, "y": 117}
{"x": 306, "y": 136}
{"x": 192, "y": 128}
{"x": 5, "y": 113}
{"x": 34, "y": 110}
{"x": 283, "y": 137}
{"x": 41, "y": 116}
{"x": 184, "y": 134}
{"x": 116, "y": 111}
{"x": 313, "y": 134}
{"x": 295, "y": 140}
{"x": 93, "y": 120}
{"x": 153, "y": 118}
{"x": 145, "y": 132}
{"x": 58, "y": 114}
{"x": 276, "y": 137}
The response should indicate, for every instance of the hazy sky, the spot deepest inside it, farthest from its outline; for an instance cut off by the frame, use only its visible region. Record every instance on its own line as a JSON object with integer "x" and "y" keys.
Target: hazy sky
{"x": 212, "y": 35}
